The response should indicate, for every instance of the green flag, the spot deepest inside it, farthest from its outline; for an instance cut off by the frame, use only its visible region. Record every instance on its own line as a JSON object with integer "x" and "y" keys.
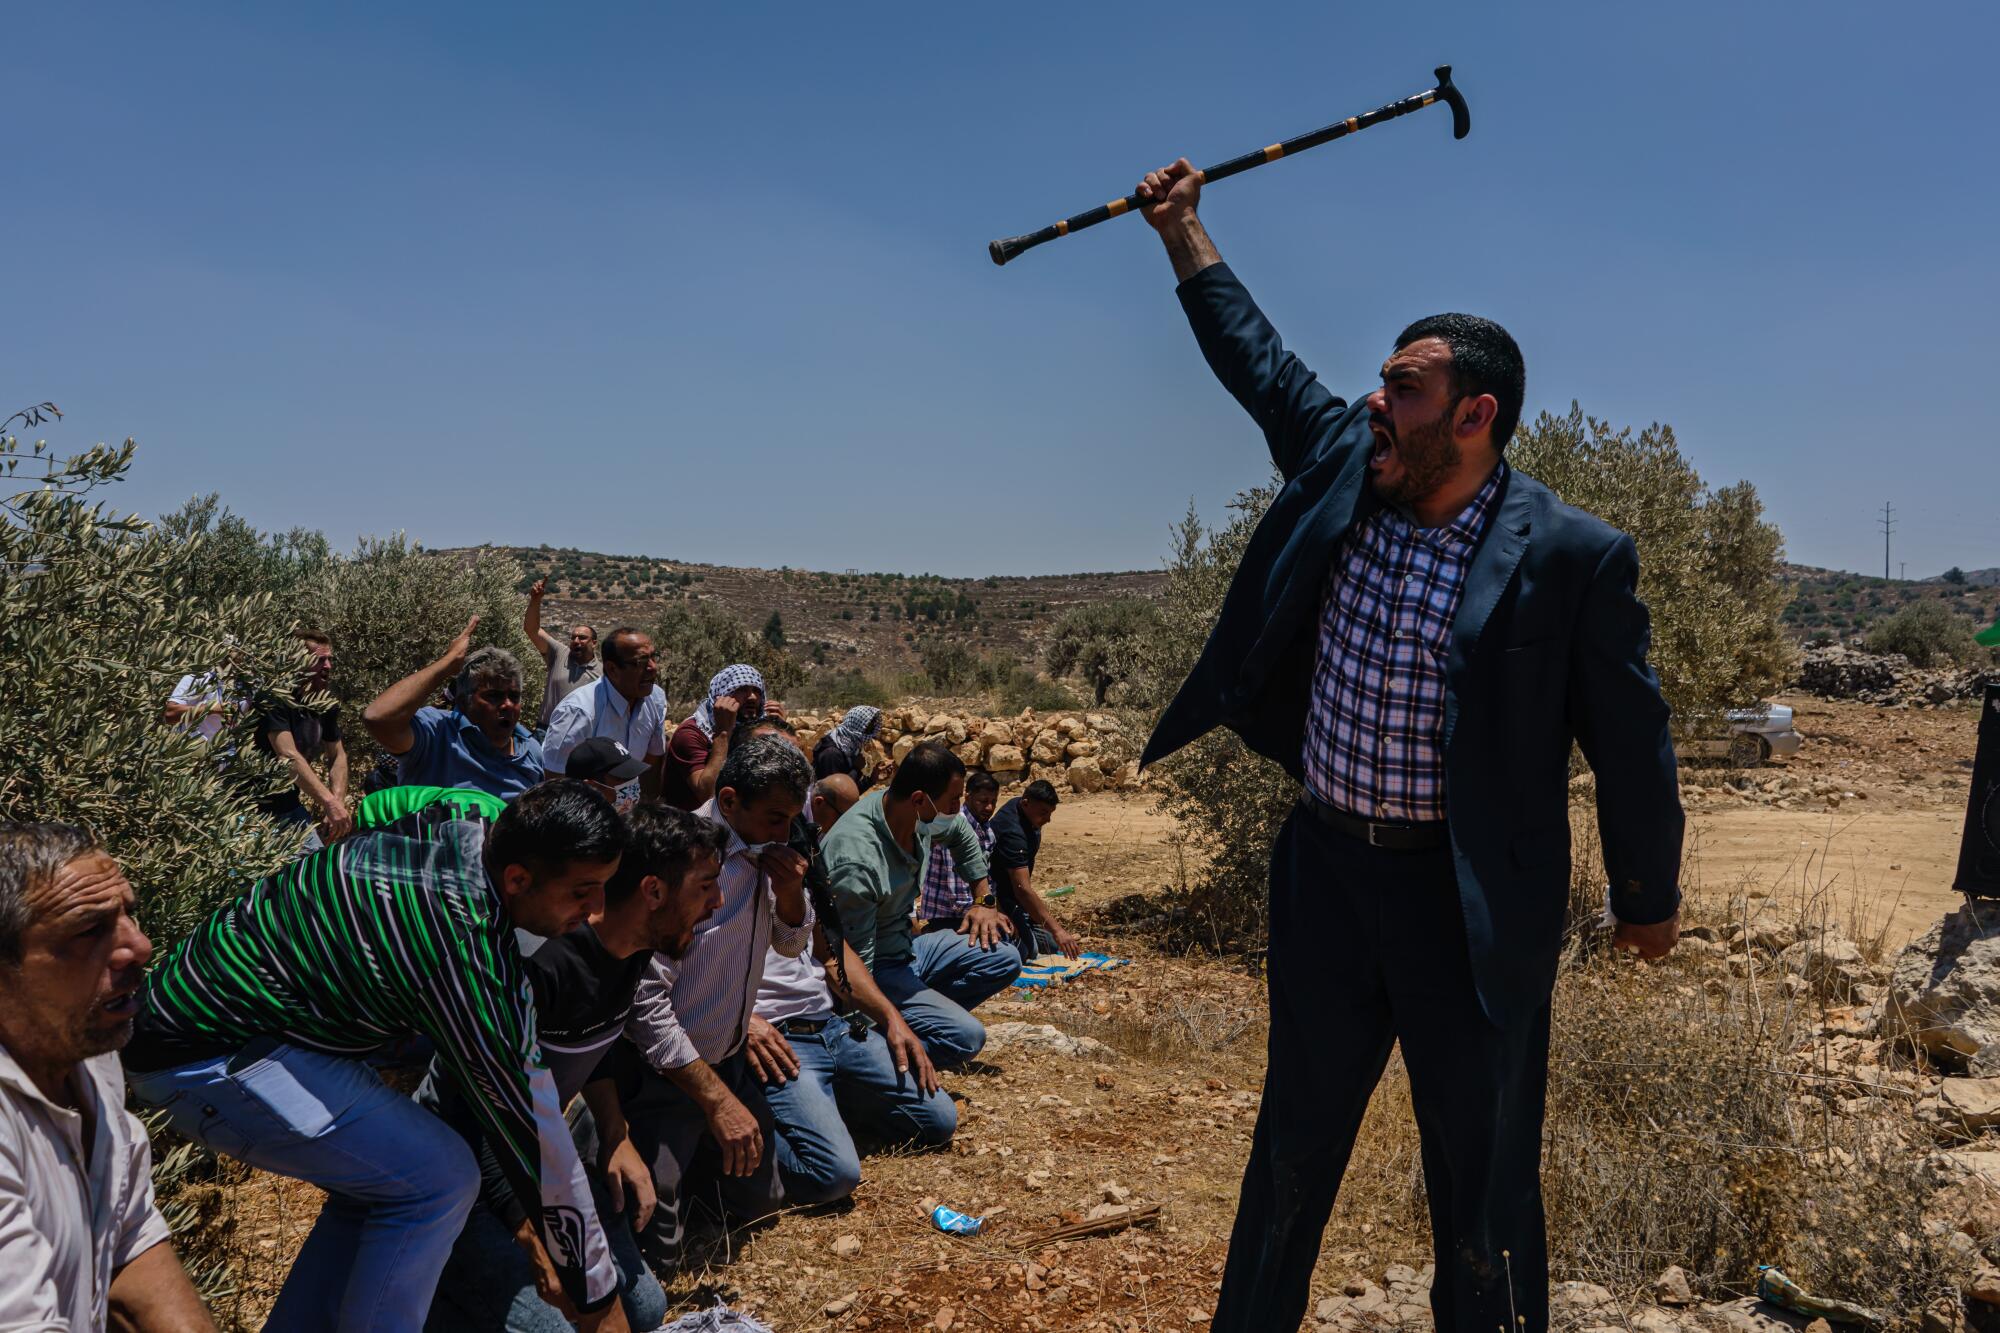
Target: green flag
{"x": 1990, "y": 636}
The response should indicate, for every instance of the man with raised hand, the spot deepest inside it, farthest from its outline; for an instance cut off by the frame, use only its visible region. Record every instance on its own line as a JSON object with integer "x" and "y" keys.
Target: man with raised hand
{"x": 684, "y": 1084}
{"x": 255, "y": 1033}
{"x": 1417, "y": 633}
{"x": 499, "y": 1274}
{"x": 479, "y": 743}
{"x": 571, "y": 667}
{"x": 82, "y": 1238}
{"x": 876, "y": 856}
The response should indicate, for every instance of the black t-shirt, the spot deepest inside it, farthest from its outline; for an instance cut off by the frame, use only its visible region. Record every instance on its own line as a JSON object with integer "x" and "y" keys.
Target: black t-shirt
{"x": 311, "y": 732}
{"x": 829, "y": 759}
{"x": 583, "y": 996}
{"x": 1016, "y": 844}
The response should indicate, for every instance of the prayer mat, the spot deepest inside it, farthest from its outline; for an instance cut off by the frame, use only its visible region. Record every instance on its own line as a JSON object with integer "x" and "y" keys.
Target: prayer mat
{"x": 1050, "y": 968}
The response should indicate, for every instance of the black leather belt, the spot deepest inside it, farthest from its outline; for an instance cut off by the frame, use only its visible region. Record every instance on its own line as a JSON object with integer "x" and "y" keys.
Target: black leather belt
{"x": 1423, "y": 837}
{"x": 802, "y": 1027}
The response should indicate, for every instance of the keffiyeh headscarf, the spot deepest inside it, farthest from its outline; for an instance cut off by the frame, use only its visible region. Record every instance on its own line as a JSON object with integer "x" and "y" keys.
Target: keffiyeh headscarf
{"x": 856, "y": 726}
{"x": 727, "y": 681}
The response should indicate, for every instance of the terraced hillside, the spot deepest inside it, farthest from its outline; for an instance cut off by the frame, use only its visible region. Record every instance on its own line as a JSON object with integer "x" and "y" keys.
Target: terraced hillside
{"x": 853, "y": 618}
{"x": 1833, "y": 604}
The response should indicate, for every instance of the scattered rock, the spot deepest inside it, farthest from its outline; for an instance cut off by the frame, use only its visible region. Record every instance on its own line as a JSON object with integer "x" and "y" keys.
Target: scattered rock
{"x": 847, "y": 1247}
{"x": 1671, "y": 1287}
{"x": 1044, "y": 1037}
{"x": 1945, "y": 992}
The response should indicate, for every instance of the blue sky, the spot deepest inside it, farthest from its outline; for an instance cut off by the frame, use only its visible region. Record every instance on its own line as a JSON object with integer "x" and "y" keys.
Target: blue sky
{"x": 710, "y": 282}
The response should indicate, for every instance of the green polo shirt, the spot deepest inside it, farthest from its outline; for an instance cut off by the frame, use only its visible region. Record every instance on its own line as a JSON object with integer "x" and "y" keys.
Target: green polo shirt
{"x": 875, "y": 882}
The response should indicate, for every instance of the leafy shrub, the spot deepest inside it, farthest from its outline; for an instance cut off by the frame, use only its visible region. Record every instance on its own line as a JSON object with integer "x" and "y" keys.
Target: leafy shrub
{"x": 1227, "y": 802}
{"x": 392, "y": 607}
{"x": 1105, "y": 643}
{"x": 695, "y": 640}
{"x": 1708, "y": 562}
{"x": 842, "y": 689}
{"x": 101, "y": 623}
{"x": 1929, "y": 634}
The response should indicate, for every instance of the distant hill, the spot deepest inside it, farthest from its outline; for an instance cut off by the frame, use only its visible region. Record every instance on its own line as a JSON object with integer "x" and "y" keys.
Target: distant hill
{"x": 880, "y": 621}
{"x": 865, "y": 620}
{"x": 1840, "y": 605}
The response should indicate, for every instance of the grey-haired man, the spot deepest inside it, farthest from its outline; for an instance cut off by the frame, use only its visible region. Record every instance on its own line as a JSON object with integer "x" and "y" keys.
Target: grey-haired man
{"x": 479, "y": 743}
{"x": 82, "y": 1235}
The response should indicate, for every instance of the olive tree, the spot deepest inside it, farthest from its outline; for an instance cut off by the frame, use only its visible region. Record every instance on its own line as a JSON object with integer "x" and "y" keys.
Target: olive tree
{"x": 1104, "y": 643}
{"x": 1227, "y": 801}
{"x": 103, "y": 616}
{"x": 1709, "y": 563}
{"x": 391, "y": 607}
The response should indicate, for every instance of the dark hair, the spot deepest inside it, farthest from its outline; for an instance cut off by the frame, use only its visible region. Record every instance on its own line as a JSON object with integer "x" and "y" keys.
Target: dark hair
{"x": 664, "y": 842}
{"x": 1043, "y": 791}
{"x": 548, "y": 826}
{"x": 622, "y": 632}
{"x": 308, "y": 634}
{"x": 764, "y": 764}
{"x": 1484, "y": 359}
{"x": 929, "y": 768}
{"x": 981, "y": 781}
{"x": 747, "y": 726}
{"x": 30, "y": 853}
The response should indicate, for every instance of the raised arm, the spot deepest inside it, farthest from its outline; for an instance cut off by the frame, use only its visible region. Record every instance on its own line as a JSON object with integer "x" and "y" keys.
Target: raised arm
{"x": 531, "y": 622}
{"x": 388, "y": 714}
{"x": 1286, "y": 400}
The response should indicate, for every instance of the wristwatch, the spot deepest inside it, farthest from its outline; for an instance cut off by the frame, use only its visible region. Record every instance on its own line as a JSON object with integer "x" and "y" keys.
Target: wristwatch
{"x": 988, "y": 901}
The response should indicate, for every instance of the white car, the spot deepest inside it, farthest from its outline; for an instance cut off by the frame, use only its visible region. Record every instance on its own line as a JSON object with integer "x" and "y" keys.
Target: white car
{"x": 1749, "y": 738}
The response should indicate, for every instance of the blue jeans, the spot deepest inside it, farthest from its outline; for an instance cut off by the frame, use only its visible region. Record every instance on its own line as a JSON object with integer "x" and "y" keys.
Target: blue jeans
{"x": 488, "y": 1283}
{"x": 399, "y": 1181}
{"x": 947, "y": 975}
{"x": 844, "y": 1081}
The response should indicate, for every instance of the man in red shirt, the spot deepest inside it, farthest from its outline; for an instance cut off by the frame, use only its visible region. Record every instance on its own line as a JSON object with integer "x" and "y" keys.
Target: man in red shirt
{"x": 700, "y": 745}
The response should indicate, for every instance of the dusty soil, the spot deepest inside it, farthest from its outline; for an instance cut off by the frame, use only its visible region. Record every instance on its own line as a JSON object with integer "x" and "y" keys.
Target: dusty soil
{"x": 1884, "y": 843}
{"x": 1162, "y": 1113}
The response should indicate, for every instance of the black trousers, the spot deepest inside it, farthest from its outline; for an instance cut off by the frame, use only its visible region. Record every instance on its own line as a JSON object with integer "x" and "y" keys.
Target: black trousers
{"x": 1368, "y": 949}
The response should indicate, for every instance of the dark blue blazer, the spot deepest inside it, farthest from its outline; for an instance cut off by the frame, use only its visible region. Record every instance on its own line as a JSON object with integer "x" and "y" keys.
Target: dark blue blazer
{"x": 1549, "y": 646}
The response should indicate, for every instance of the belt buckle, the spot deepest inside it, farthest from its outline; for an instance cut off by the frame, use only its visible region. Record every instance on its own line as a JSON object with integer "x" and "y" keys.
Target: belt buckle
{"x": 1373, "y": 829}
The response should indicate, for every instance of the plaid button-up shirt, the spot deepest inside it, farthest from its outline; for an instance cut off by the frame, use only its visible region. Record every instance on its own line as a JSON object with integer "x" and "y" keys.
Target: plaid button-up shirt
{"x": 1375, "y": 727}
{"x": 946, "y": 893}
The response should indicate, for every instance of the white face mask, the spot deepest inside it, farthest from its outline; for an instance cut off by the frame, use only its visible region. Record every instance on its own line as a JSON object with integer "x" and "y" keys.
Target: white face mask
{"x": 937, "y": 824}
{"x": 753, "y": 850}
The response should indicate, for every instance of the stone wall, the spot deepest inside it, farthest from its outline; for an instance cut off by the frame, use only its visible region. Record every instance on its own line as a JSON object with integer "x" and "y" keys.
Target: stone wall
{"x": 1080, "y": 751}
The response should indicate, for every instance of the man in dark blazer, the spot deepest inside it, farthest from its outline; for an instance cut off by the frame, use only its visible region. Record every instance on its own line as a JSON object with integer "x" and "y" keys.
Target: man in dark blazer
{"x": 1417, "y": 633}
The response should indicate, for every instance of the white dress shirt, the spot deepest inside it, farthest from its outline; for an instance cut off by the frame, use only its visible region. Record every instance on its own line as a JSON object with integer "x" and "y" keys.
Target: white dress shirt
{"x": 698, "y": 1006}
{"x": 602, "y": 711}
{"x": 70, "y": 1216}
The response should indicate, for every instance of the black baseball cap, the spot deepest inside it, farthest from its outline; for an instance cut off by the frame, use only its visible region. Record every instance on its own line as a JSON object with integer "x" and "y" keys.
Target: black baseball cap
{"x": 601, "y": 759}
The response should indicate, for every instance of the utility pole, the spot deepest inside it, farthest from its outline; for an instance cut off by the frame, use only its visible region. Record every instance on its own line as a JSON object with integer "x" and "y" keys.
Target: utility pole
{"x": 1903, "y": 570}
{"x": 1888, "y": 522}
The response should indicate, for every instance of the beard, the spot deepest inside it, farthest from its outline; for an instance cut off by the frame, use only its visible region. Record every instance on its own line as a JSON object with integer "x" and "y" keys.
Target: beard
{"x": 1428, "y": 454}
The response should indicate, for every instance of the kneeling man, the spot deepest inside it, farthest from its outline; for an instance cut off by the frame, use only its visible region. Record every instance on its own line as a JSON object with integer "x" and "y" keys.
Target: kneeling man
{"x": 685, "y": 1087}
{"x": 499, "y": 1275}
{"x": 256, "y": 1029}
